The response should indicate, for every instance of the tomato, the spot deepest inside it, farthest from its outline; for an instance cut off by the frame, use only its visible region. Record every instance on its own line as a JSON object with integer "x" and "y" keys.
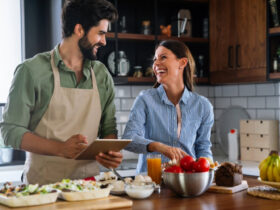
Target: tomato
{"x": 174, "y": 169}
{"x": 201, "y": 165}
{"x": 186, "y": 163}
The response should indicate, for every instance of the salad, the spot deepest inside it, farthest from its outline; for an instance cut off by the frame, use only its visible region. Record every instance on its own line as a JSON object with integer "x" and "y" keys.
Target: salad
{"x": 25, "y": 190}
{"x": 67, "y": 185}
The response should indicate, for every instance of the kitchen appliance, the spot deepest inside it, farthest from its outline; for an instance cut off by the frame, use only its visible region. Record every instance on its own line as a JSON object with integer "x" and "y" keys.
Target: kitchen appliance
{"x": 229, "y": 119}
{"x": 123, "y": 64}
{"x": 6, "y": 154}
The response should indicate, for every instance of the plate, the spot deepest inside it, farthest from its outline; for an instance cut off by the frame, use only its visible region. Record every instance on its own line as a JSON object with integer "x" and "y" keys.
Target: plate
{"x": 229, "y": 119}
{"x": 272, "y": 184}
{"x": 29, "y": 200}
{"x": 86, "y": 195}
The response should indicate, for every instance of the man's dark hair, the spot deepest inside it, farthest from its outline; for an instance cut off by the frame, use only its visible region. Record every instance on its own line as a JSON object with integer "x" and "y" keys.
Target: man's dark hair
{"x": 88, "y": 13}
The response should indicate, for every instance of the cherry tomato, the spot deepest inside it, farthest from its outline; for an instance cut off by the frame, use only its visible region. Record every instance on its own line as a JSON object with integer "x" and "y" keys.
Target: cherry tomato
{"x": 201, "y": 165}
{"x": 186, "y": 163}
{"x": 174, "y": 169}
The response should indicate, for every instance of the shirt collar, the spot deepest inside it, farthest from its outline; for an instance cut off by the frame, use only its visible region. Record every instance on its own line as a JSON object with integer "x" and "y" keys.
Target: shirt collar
{"x": 165, "y": 99}
{"x": 60, "y": 64}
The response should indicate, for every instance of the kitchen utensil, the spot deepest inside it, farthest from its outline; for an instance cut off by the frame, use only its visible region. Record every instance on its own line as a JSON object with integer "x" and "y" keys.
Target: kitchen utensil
{"x": 188, "y": 184}
{"x": 118, "y": 175}
{"x": 229, "y": 119}
{"x": 123, "y": 64}
{"x": 223, "y": 189}
{"x": 185, "y": 26}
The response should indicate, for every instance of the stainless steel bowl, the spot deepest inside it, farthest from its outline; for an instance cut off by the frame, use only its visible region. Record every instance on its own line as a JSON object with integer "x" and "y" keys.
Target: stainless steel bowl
{"x": 188, "y": 184}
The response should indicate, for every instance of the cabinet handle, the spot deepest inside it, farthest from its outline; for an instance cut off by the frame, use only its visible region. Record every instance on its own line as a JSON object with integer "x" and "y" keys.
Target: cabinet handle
{"x": 236, "y": 55}
{"x": 230, "y": 48}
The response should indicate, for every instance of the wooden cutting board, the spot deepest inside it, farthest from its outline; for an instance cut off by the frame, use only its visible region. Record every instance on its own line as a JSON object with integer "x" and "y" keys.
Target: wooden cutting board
{"x": 222, "y": 189}
{"x": 110, "y": 202}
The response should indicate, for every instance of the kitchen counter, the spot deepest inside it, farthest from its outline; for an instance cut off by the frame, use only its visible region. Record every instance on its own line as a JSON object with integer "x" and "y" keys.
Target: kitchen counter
{"x": 166, "y": 199}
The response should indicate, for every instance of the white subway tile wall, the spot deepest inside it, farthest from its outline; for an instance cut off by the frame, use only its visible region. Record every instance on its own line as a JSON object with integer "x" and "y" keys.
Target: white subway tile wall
{"x": 262, "y": 101}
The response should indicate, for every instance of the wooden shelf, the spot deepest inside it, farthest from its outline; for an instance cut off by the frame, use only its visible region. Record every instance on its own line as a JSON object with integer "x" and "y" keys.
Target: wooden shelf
{"x": 143, "y": 37}
{"x": 148, "y": 80}
{"x": 275, "y": 75}
{"x": 274, "y": 30}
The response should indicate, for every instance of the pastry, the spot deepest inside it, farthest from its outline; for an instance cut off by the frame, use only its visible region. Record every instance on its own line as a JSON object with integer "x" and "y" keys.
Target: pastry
{"x": 228, "y": 174}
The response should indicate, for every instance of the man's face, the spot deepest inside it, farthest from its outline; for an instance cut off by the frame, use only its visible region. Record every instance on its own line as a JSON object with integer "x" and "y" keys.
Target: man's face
{"x": 93, "y": 39}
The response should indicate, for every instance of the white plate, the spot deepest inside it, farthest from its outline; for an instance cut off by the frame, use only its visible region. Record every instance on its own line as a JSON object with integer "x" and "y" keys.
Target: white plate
{"x": 229, "y": 119}
{"x": 272, "y": 184}
{"x": 29, "y": 200}
{"x": 80, "y": 196}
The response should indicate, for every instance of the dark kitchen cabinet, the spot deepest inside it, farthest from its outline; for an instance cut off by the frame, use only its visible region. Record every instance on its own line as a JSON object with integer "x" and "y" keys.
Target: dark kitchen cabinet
{"x": 139, "y": 48}
{"x": 237, "y": 41}
{"x": 273, "y": 59}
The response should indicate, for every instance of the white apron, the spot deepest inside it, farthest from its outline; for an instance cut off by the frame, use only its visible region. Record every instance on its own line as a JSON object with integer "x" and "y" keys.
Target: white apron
{"x": 71, "y": 111}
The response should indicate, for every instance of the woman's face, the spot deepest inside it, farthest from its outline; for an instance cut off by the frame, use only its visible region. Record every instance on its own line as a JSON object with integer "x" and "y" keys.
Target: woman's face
{"x": 167, "y": 67}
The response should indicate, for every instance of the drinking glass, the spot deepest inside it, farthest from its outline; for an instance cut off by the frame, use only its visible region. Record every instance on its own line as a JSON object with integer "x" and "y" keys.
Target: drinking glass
{"x": 154, "y": 167}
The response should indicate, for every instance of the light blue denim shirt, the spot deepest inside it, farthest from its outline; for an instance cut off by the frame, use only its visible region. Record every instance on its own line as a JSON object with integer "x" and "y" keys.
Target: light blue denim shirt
{"x": 154, "y": 118}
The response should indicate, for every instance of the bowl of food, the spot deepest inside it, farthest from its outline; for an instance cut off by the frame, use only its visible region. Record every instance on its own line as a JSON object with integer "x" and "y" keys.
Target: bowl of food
{"x": 188, "y": 184}
{"x": 189, "y": 178}
{"x": 139, "y": 190}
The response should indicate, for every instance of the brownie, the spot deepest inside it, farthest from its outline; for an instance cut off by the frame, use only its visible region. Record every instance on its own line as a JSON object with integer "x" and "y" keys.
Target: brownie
{"x": 228, "y": 174}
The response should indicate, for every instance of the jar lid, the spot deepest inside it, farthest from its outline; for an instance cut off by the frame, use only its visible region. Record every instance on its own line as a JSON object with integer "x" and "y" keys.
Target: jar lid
{"x": 146, "y": 22}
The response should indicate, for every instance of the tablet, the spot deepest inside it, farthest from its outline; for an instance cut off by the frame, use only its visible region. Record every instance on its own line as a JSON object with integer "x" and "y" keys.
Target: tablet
{"x": 102, "y": 145}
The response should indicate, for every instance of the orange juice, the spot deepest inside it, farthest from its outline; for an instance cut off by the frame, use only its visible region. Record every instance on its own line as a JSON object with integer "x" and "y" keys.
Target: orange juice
{"x": 154, "y": 168}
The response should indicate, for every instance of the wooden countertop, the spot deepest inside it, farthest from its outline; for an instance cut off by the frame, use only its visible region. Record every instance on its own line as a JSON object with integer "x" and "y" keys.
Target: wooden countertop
{"x": 208, "y": 201}
{"x": 168, "y": 200}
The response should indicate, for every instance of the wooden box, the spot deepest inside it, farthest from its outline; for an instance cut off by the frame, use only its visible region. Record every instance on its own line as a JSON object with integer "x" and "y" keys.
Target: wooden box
{"x": 258, "y": 138}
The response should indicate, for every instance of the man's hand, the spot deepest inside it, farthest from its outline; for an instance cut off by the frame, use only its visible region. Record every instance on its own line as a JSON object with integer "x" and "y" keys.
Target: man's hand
{"x": 110, "y": 160}
{"x": 73, "y": 146}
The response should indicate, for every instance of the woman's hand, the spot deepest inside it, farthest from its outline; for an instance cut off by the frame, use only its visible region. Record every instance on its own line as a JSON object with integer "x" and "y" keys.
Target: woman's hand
{"x": 73, "y": 146}
{"x": 170, "y": 152}
{"x": 110, "y": 160}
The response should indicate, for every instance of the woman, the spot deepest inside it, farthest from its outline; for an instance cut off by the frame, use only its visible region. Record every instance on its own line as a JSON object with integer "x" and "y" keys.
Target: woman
{"x": 170, "y": 118}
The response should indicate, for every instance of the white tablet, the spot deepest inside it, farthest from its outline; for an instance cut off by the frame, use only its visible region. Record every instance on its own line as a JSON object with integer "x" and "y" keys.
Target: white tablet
{"x": 102, "y": 145}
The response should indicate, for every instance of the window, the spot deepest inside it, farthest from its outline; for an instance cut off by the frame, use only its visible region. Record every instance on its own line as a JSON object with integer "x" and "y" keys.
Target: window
{"x": 10, "y": 42}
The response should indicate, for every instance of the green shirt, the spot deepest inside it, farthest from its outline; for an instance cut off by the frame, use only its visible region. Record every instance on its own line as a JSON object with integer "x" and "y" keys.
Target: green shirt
{"x": 32, "y": 88}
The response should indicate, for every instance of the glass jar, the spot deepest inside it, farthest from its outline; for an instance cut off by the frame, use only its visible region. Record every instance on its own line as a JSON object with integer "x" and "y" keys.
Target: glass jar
{"x": 146, "y": 28}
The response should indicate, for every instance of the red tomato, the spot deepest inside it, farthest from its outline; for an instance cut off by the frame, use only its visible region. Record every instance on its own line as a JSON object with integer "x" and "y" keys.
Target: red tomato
{"x": 186, "y": 163}
{"x": 202, "y": 165}
{"x": 174, "y": 169}
{"x": 91, "y": 178}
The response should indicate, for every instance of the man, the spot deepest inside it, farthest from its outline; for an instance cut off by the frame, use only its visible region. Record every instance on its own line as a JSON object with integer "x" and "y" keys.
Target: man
{"x": 61, "y": 100}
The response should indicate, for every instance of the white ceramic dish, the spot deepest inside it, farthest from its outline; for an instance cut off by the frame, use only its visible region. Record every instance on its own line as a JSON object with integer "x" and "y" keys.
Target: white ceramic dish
{"x": 86, "y": 195}
{"x": 29, "y": 200}
{"x": 229, "y": 119}
{"x": 139, "y": 191}
{"x": 272, "y": 184}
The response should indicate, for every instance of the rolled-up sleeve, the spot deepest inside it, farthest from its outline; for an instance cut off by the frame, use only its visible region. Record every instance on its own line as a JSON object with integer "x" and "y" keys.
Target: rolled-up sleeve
{"x": 135, "y": 127}
{"x": 18, "y": 108}
{"x": 203, "y": 143}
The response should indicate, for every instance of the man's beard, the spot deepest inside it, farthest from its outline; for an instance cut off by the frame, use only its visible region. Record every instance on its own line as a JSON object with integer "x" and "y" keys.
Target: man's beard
{"x": 87, "y": 49}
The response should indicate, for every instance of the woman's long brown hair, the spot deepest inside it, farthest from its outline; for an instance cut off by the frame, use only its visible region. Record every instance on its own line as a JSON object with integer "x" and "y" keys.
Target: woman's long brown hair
{"x": 180, "y": 50}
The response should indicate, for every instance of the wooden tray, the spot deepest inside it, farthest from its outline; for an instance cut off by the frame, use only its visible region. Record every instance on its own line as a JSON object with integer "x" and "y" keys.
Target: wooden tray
{"x": 110, "y": 202}
{"x": 222, "y": 189}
